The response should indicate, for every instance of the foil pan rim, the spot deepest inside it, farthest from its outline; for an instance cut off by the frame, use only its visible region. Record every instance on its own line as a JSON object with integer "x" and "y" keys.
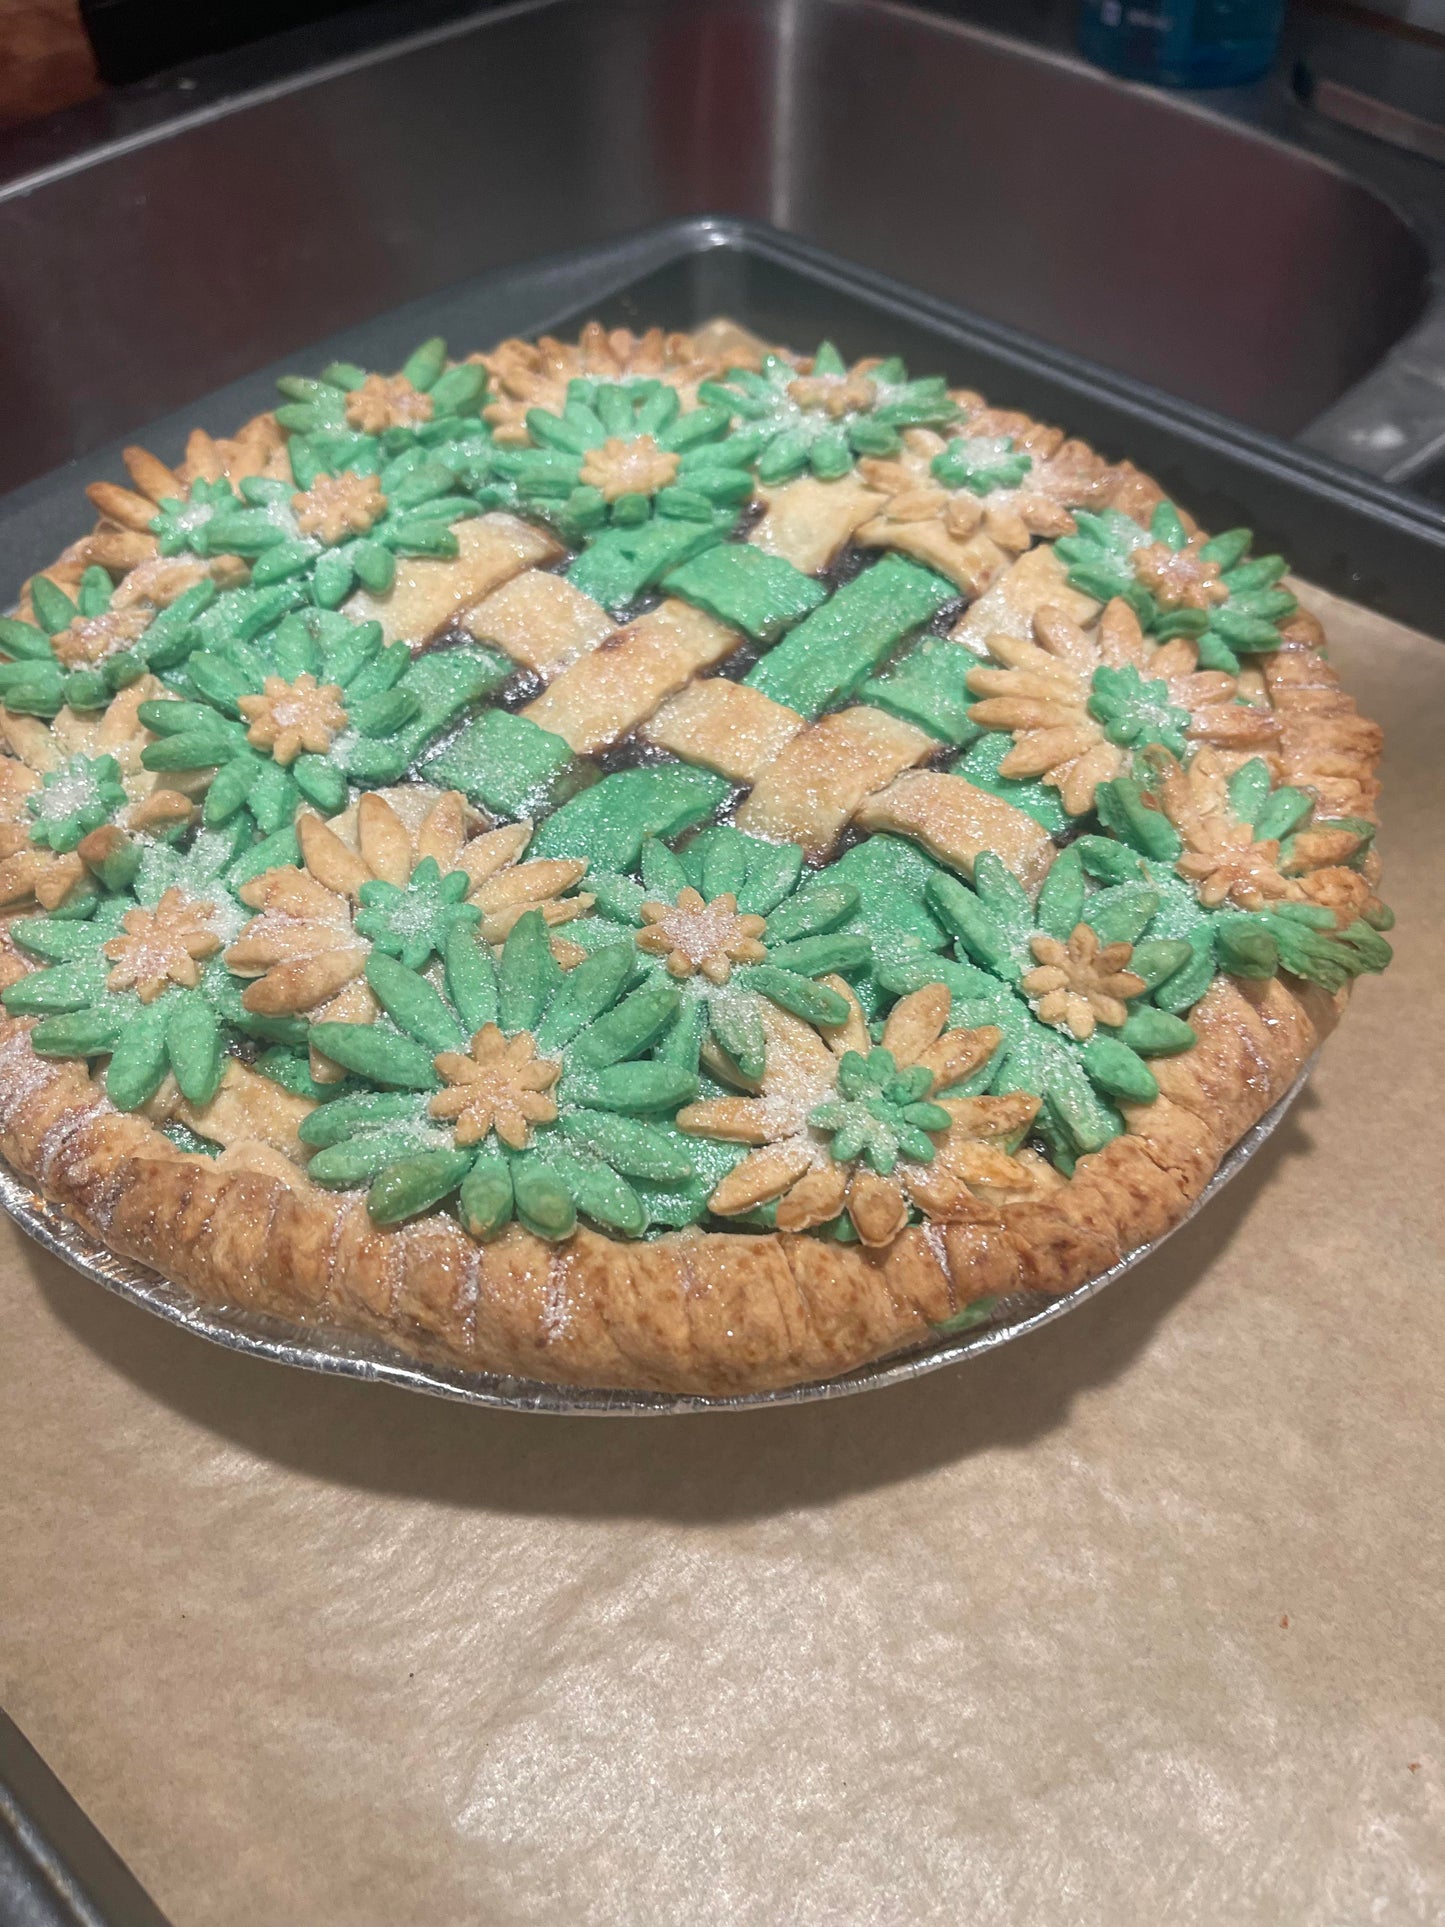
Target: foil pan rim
{"x": 351, "y": 1355}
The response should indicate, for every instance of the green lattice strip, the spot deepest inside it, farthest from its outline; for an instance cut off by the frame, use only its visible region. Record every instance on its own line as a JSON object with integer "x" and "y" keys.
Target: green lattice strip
{"x": 758, "y": 593}
{"x": 507, "y": 763}
{"x": 830, "y": 653}
{"x": 617, "y": 565}
{"x": 607, "y": 823}
{"x": 927, "y": 687}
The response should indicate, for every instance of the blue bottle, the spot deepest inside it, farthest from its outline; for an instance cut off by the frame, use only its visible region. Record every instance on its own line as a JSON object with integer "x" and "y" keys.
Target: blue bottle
{"x": 1182, "y": 43}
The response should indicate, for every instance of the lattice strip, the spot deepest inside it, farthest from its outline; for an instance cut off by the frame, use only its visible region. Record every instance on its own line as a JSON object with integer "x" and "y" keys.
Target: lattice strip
{"x": 608, "y": 693}
{"x": 808, "y": 792}
{"x": 956, "y": 822}
{"x": 540, "y": 621}
{"x": 726, "y": 726}
{"x": 428, "y": 592}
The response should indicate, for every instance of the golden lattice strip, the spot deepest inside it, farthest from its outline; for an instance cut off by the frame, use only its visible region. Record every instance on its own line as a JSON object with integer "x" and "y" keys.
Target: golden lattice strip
{"x": 609, "y": 692}
{"x": 808, "y": 521}
{"x": 1007, "y": 608}
{"x": 727, "y": 726}
{"x": 428, "y": 592}
{"x": 956, "y": 822}
{"x": 974, "y": 561}
{"x": 540, "y": 620}
{"x": 807, "y": 793}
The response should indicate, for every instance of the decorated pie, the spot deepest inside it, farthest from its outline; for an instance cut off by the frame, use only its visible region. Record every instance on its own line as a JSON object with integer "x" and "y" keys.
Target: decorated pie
{"x": 659, "y": 862}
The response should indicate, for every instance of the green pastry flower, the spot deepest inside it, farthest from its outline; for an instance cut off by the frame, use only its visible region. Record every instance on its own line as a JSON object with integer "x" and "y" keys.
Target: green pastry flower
{"x": 825, "y": 419}
{"x": 73, "y": 800}
{"x": 1068, "y": 981}
{"x": 139, "y": 981}
{"x": 525, "y": 1093}
{"x": 1181, "y": 585}
{"x": 306, "y": 710}
{"x": 426, "y": 405}
{"x": 343, "y": 528}
{"x": 80, "y": 652}
{"x": 732, "y": 919}
{"x": 981, "y": 464}
{"x": 620, "y": 451}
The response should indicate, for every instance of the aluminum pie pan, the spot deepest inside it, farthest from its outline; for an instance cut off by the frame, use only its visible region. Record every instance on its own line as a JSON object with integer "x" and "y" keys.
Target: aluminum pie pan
{"x": 351, "y": 1355}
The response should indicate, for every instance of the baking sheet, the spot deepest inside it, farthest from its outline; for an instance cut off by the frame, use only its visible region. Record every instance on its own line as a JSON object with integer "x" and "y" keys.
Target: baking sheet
{"x": 1134, "y": 1621}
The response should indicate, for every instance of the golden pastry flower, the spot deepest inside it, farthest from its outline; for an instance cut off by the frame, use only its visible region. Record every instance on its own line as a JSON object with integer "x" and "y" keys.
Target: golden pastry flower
{"x": 1082, "y": 983}
{"x": 1045, "y": 693}
{"x": 1227, "y": 865}
{"x": 304, "y": 950}
{"x": 824, "y": 1094}
{"x": 156, "y": 948}
{"x": 523, "y": 375}
{"x": 1072, "y": 477}
{"x": 28, "y": 871}
{"x": 501, "y": 1086}
{"x": 695, "y": 935}
{"x": 123, "y": 541}
{"x": 288, "y": 717}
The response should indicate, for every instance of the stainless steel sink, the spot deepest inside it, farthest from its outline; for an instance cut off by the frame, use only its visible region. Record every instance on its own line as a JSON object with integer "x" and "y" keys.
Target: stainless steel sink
{"x": 156, "y": 247}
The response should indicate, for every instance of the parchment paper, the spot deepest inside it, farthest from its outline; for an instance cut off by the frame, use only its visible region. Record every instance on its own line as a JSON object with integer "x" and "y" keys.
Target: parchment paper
{"x": 1138, "y": 1620}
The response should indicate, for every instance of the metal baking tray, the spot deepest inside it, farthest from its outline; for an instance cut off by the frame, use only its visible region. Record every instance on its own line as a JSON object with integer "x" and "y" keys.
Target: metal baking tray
{"x": 56, "y": 1868}
{"x": 1341, "y": 527}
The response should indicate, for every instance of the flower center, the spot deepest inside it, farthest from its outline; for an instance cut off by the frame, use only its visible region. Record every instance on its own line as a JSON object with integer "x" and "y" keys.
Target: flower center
{"x": 1082, "y": 983}
{"x": 414, "y": 922}
{"x": 77, "y": 797}
{"x": 1134, "y": 709}
{"x": 696, "y": 935}
{"x": 336, "y": 506}
{"x": 93, "y": 638}
{"x": 1179, "y": 578}
{"x": 291, "y": 716}
{"x": 981, "y": 464}
{"x": 880, "y": 1113}
{"x": 387, "y": 401}
{"x": 161, "y": 946}
{"x": 636, "y": 467}
{"x": 834, "y": 395}
{"x": 501, "y": 1086}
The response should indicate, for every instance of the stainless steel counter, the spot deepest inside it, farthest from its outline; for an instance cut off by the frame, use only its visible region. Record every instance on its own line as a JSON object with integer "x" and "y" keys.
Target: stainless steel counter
{"x": 1232, "y": 248}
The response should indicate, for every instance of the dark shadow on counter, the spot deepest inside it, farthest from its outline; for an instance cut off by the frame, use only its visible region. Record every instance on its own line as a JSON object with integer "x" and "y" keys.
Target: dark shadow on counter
{"x": 696, "y": 1470}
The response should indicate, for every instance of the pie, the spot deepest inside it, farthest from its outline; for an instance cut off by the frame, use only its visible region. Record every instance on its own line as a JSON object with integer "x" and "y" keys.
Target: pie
{"x": 658, "y": 861}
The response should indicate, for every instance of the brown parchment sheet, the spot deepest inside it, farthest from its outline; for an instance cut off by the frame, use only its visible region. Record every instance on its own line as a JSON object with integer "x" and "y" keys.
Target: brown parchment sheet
{"x": 1137, "y": 1620}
